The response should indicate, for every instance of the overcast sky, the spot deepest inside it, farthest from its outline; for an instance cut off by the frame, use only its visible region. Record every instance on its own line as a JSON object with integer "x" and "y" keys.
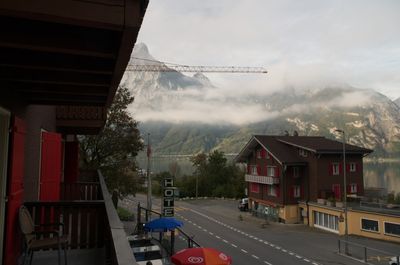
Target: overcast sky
{"x": 301, "y": 43}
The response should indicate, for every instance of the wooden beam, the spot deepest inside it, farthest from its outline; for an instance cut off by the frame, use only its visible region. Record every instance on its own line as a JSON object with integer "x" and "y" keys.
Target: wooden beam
{"x": 57, "y": 38}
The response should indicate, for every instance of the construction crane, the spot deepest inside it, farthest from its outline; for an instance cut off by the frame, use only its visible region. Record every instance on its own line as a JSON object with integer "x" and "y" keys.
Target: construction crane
{"x": 157, "y": 66}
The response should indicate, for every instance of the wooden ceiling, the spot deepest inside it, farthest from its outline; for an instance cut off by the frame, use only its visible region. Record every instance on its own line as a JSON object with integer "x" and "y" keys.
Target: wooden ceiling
{"x": 66, "y": 52}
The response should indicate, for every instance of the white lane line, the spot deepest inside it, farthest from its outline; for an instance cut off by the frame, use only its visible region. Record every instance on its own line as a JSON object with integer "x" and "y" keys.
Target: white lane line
{"x": 254, "y": 256}
{"x": 284, "y": 250}
{"x": 205, "y": 230}
{"x": 306, "y": 260}
{"x": 291, "y": 253}
{"x": 266, "y": 262}
{"x": 233, "y": 245}
{"x": 299, "y": 257}
{"x": 225, "y": 241}
{"x": 245, "y": 251}
{"x": 218, "y": 237}
{"x": 314, "y": 263}
{"x": 211, "y": 233}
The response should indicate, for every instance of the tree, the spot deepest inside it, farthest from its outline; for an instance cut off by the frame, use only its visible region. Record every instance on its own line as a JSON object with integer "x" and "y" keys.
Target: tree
{"x": 113, "y": 150}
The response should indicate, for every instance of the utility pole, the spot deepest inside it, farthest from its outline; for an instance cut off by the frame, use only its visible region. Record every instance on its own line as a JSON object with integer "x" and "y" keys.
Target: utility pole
{"x": 149, "y": 203}
{"x": 346, "y": 232}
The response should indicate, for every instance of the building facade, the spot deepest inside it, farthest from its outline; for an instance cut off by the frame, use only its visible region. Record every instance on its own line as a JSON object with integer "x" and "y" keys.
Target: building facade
{"x": 283, "y": 170}
{"x": 61, "y": 63}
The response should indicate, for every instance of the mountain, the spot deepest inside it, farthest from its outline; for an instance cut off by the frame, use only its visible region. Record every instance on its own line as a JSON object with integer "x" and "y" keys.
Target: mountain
{"x": 188, "y": 114}
{"x": 397, "y": 101}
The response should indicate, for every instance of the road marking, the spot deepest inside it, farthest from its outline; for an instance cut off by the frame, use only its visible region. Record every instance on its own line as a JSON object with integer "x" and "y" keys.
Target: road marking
{"x": 299, "y": 257}
{"x": 306, "y": 260}
{"x": 218, "y": 237}
{"x": 205, "y": 230}
{"x": 254, "y": 256}
{"x": 233, "y": 245}
{"x": 314, "y": 263}
{"x": 211, "y": 233}
{"x": 284, "y": 250}
{"x": 243, "y": 250}
{"x": 291, "y": 253}
{"x": 266, "y": 262}
{"x": 225, "y": 241}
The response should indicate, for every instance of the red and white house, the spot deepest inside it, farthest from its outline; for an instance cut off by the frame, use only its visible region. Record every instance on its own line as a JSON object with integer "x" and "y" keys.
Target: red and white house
{"x": 282, "y": 170}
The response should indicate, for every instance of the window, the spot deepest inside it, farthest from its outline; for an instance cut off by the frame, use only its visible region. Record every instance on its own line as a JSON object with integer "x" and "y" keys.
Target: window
{"x": 353, "y": 188}
{"x": 326, "y": 221}
{"x": 271, "y": 190}
{"x": 271, "y": 171}
{"x": 267, "y": 155}
{"x": 254, "y": 188}
{"x": 254, "y": 170}
{"x": 295, "y": 172}
{"x": 303, "y": 153}
{"x": 369, "y": 225}
{"x": 335, "y": 168}
{"x": 296, "y": 191}
{"x": 392, "y": 229}
{"x": 259, "y": 153}
{"x": 353, "y": 167}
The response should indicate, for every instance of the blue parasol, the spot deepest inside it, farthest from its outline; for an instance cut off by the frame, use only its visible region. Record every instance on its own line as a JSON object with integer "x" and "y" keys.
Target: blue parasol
{"x": 162, "y": 224}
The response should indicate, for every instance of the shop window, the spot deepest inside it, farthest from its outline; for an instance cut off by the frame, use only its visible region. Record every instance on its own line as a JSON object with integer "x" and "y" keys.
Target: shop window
{"x": 326, "y": 221}
{"x": 392, "y": 229}
{"x": 369, "y": 225}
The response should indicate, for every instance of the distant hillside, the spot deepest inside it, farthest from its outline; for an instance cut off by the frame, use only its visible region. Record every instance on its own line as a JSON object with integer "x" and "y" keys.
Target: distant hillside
{"x": 187, "y": 114}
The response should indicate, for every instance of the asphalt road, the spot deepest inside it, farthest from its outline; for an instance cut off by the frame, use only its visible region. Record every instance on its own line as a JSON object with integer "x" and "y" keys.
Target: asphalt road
{"x": 216, "y": 224}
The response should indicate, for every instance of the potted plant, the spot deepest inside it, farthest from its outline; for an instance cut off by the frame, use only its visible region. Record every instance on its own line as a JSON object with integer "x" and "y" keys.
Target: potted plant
{"x": 330, "y": 201}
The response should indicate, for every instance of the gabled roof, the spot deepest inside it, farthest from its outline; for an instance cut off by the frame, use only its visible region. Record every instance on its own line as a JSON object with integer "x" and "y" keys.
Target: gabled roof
{"x": 280, "y": 147}
{"x": 321, "y": 145}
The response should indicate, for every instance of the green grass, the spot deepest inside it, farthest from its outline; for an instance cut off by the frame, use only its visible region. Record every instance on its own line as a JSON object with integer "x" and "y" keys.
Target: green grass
{"x": 124, "y": 214}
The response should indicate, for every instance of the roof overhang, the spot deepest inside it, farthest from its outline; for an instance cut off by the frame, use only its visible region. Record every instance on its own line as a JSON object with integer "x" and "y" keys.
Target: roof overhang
{"x": 67, "y": 53}
{"x": 248, "y": 149}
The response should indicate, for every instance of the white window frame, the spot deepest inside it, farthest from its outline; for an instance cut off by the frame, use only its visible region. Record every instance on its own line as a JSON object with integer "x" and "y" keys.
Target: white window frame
{"x": 273, "y": 170}
{"x": 296, "y": 172}
{"x": 303, "y": 152}
{"x": 254, "y": 170}
{"x": 384, "y": 228}
{"x": 258, "y": 153}
{"x": 353, "y": 188}
{"x": 335, "y": 169}
{"x": 296, "y": 191}
{"x": 369, "y": 230}
{"x": 353, "y": 167}
{"x": 267, "y": 155}
{"x": 321, "y": 223}
{"x": 271, "y": 190}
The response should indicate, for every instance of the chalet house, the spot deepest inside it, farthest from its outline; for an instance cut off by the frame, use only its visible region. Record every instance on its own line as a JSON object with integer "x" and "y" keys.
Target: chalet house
{"x": 60, "y": 65}
{"x": 283, "y": 170}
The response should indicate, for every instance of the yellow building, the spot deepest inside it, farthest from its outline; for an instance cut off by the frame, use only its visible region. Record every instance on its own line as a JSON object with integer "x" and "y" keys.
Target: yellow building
{"x": 369, "y": 222}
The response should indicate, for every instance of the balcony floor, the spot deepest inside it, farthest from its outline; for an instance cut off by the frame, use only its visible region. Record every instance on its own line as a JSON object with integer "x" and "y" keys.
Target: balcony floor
{"x": 94, "y": 256}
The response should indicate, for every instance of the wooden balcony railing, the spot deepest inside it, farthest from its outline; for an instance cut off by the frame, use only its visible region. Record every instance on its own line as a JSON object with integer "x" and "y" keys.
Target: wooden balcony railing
{"x": 89, "y": 217}
{"x": 84, "y": 221}
{"x": 87, "y": 191}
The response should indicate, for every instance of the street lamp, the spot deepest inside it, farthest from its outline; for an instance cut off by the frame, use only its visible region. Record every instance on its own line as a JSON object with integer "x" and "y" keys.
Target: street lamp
{"x": 346, "y": 234}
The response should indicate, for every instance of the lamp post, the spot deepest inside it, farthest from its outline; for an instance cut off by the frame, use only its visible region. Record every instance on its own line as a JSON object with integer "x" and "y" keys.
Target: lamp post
{"x": 346, "y": 234}
{"x": 149, "y": 202}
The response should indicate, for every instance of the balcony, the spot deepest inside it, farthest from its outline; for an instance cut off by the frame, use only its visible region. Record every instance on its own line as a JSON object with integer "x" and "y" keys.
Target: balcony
{"x": 96, "y": 235}
{"x": 261, "y": 179}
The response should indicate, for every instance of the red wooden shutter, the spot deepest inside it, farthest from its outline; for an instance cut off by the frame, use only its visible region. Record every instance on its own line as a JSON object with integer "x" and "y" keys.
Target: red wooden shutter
{"x": 277, "y": 191}
{"x": 259, "y": 170}
{"x": 50, "y": 173}
{"x": 263, "y": 153}
{"x": 340, "y": 168}
{"x": 358, "y": 167}
{"x": 15, "y": 192}
{"x": 348, "y": 167}
{"x": 277, "y": 172}
{"x": 330, "y": 169}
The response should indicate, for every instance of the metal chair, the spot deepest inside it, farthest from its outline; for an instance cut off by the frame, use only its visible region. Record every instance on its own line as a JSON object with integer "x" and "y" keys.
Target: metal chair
{"x": 34, "y": 239}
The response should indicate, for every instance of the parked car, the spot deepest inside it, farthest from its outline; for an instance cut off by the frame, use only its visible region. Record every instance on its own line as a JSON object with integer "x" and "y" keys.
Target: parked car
{"x": 393, "y": 261}
{"x": 243, "y": 204}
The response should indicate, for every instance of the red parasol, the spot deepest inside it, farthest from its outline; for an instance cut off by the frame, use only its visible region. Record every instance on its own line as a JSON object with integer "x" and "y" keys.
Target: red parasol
{"x": 200, "y": 256}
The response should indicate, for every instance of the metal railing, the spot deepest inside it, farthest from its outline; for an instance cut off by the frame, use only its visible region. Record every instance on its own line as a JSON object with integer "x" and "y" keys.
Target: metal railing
{"x": 366, "y": 254}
